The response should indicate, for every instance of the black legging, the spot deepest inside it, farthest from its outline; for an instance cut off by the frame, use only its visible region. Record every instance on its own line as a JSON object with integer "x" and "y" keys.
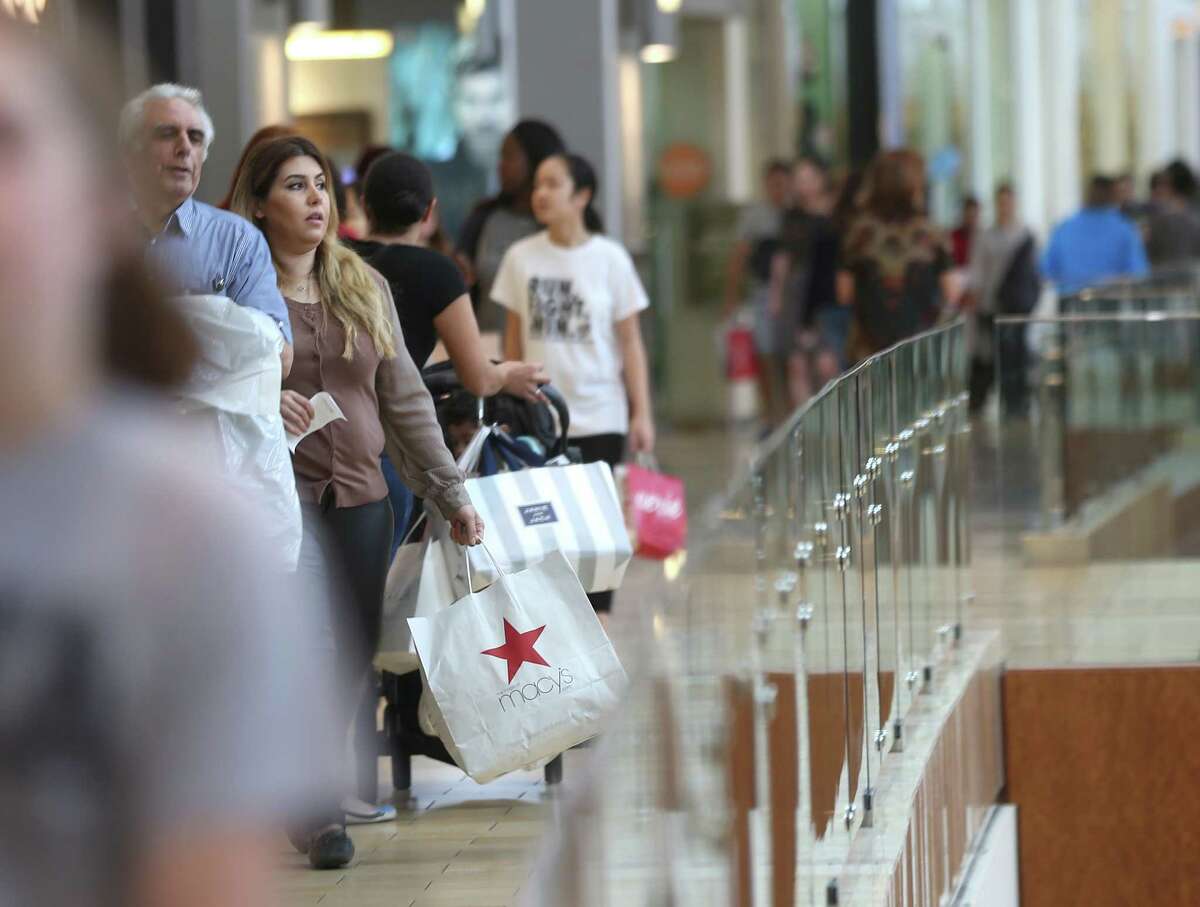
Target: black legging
{"x": 359, "y": 539}
{"x": 608, "y": 449}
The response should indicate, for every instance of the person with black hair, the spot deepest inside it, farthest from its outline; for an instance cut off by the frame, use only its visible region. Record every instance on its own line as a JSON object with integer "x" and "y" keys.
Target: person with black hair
{"x": 803, "y": 284}
{"x": 429, "y": 292}
{"x": 500, "y": 221}
{"x": 573, "y": 298}
{"x": 1095, "y": 245}
{"x": 1173, "y": 229}
{"x": 1002, "y": 279}
{"x": 962, "y": 237}
{"x": 747, "y": 276}
{"x": 352, "y": 219}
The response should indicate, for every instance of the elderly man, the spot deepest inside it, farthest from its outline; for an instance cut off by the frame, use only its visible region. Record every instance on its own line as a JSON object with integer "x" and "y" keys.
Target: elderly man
{"x": 165, "y": 134}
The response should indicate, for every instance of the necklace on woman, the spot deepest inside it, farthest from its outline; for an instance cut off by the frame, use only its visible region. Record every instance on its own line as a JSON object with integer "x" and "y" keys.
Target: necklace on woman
{"x": 302, "y": 289}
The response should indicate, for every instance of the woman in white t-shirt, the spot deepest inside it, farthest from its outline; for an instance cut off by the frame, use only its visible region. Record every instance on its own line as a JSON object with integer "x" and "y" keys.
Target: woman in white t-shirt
{"x": 573, "y": 298}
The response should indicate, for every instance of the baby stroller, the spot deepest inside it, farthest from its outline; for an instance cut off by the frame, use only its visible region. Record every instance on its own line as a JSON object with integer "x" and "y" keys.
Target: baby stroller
{"x": 530, "y": 435}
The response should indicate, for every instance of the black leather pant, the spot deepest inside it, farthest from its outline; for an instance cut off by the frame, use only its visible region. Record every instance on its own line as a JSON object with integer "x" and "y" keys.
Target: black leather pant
{"x": 608, "y": 449}
{"x": 355, "y": 547}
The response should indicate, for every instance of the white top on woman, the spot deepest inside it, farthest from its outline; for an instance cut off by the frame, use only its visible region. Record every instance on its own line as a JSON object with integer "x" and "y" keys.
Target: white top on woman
{"x": 570, "y": 301}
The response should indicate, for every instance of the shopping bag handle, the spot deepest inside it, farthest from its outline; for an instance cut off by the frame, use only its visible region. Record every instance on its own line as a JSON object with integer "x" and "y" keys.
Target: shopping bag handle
{"x": 647, "y": 461}
{"x": 491, "y": 557}
{"x": 413, "y": 528}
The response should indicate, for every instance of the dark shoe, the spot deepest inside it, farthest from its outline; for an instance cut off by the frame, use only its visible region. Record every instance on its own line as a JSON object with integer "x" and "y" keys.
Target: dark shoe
{"x": 330, "y": 849}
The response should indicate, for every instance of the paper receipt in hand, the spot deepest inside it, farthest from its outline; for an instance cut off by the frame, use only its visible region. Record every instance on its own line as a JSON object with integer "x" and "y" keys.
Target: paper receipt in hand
{"x": 325, "y": 409}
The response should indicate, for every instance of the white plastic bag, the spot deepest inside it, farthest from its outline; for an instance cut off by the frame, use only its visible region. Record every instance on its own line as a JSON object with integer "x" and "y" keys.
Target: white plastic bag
{"x": 237, "y": 384}
{"x": 519, "y": 672}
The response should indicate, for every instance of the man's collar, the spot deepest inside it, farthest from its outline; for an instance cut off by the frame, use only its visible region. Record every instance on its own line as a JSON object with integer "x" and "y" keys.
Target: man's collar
{"x": 184, "y": 216}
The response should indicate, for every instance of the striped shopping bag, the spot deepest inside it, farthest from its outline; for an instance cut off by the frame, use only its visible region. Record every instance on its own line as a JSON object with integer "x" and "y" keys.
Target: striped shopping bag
{"x": 532, "y": 512}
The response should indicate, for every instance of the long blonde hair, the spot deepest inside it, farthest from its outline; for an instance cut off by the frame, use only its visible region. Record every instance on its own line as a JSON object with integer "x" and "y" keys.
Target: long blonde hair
{"x": 347, "y": 287}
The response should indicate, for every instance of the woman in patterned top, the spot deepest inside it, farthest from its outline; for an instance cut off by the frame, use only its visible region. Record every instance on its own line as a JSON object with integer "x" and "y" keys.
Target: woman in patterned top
{"x": 895, "y": 263}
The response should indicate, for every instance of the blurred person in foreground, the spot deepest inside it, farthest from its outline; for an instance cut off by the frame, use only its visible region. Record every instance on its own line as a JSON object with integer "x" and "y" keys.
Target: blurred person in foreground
{"x": 430, "y": 296}
{"x": 498, "y": 222}
{"x": 165, "y": 134}
{"x": 747, "y": 279}
{"x": 895, "y": 264}
{"x": 151, "y": 702}
{"x": 1095, "y": 245}
{"x": 349, "y": 345}
{"x": 1173, "y": 227}
{"x": 1003, "y": 280}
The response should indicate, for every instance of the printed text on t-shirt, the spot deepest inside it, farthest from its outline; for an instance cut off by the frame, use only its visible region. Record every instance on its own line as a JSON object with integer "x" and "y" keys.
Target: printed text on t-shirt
{"x": 556, "y": 312}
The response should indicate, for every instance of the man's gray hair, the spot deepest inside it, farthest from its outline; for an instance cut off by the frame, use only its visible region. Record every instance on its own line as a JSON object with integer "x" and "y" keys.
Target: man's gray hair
{"x": 133, "y": 114}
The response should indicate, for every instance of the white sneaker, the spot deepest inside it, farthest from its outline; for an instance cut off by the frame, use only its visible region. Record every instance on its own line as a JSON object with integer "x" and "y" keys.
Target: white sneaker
{"x": 359, "y": 812}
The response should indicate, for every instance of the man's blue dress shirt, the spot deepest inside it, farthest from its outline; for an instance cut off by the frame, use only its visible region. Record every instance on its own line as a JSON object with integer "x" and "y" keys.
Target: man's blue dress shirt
{"x": 205, "y": 251}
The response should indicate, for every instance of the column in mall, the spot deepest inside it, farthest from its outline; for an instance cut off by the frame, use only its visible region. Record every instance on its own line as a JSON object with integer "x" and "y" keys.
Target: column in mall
{"x": 566, "y": 72}
{"x": 979, "y": 73}
{"x": 1187, "y": 57}
{"x": 1108, "y": 85}
{"x": 232, "y": 50}
{"x": 1060, "y": 87}
{"x": 862, "y": 65}
{"x": 1029, "y": 162}
{"x": 1154, "y": 89}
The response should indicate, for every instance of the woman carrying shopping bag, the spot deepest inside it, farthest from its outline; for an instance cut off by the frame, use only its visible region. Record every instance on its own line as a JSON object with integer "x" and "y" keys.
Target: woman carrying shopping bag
{"x": 573, "y": 299}
{"x": 349, "y": 345}
{"x": 430, "y": 295}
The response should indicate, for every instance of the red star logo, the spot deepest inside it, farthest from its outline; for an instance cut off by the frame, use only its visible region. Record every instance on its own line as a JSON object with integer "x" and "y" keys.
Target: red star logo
{"x": 518, "y": 649}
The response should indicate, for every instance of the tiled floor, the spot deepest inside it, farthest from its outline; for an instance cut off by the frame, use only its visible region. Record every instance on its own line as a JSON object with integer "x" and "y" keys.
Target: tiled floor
{"x": 456, "y": 844}
{"x": 459, "y": 844}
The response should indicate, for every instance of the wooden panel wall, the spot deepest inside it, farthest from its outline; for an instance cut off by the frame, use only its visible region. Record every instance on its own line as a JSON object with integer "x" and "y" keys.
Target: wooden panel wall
{"x": 1104, "y": 767}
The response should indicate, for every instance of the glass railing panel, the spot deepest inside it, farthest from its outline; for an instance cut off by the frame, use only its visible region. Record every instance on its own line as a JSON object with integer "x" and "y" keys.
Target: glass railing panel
{"x": 824, "y": 647}
{"x": 884, "y": 505}
{"x": 1097, "y": 488}
{"x": 792, "y": 641}
{"x": 850, "y": 565}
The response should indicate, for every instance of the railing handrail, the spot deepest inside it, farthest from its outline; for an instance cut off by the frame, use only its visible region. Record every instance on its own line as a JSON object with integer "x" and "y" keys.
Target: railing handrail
{"x": 1099, "y": 318}
{"x": 1178, "y": 278}
{"x": 789, "y": 425}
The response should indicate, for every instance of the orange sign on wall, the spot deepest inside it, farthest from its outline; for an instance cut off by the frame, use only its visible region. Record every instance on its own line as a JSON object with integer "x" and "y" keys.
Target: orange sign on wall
{"x": 684, "y": 170}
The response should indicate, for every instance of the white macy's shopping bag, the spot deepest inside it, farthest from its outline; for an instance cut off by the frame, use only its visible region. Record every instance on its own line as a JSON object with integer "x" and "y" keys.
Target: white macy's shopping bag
{"x": 531, "y": 512}
{"x": 518, "y": 672}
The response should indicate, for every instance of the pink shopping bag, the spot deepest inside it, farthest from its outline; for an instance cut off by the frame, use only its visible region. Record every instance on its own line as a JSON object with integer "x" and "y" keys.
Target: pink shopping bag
{"x": 657, "y": 512}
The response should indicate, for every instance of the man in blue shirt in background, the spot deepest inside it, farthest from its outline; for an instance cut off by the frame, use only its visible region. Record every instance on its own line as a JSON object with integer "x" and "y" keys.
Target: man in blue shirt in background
{"x": 1094, "y": 246}
{"x": 165, "y": 133}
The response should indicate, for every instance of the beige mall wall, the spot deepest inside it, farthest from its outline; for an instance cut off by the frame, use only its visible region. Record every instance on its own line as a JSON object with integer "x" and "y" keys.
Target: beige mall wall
{"x": 342, "y": 86}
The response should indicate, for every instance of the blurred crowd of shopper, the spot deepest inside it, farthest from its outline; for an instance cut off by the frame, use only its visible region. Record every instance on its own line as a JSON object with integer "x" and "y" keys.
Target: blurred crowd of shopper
{"x": 832, "y": 269}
